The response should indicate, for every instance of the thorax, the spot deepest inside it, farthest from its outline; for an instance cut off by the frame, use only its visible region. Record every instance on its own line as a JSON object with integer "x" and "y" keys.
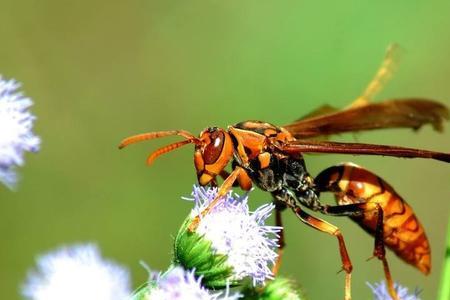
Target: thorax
{"x": 255, "y": 150}
{"x": 256, "y": 140}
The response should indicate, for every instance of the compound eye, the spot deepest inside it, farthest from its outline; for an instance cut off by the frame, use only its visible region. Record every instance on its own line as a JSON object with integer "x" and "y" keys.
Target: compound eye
{"x": 214, "y": 148}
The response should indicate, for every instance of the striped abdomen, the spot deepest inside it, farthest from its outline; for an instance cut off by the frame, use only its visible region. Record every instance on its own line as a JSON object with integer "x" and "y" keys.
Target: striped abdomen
{"x": 403, "y": 232}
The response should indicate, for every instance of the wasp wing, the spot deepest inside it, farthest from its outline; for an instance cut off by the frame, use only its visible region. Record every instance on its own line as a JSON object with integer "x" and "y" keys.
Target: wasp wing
{"x": 384, "y": 73}
{"x": 397, "y": 113}
{"x": 320, "y": 111}
{"x": 298, "y": 147}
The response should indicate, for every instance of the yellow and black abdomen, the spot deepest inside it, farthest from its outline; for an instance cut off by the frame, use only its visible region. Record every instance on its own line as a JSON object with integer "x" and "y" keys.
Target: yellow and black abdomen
{"x": 402, "y": 231}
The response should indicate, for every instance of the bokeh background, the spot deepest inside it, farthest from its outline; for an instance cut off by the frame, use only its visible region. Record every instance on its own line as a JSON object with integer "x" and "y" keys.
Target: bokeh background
{"x": 99, "y": 71}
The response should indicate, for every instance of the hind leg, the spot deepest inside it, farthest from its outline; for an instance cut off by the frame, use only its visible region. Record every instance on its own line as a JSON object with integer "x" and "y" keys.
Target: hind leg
{"x": 379, "y": 250}
{"x": 385, "y": 215}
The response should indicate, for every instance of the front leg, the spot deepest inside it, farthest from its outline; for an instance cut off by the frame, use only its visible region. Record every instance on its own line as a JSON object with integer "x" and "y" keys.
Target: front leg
{"x": 243, "y": 180}
{"x": 226, "y": 186}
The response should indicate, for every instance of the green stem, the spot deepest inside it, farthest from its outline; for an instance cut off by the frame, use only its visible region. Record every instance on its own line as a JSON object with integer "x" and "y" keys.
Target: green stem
{"x": 444, "y": 290}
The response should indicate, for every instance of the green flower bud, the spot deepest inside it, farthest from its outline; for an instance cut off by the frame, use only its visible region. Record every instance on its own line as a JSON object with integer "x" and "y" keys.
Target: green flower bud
{"x": 193, "y": 251}
{"x": 277, "y": 289}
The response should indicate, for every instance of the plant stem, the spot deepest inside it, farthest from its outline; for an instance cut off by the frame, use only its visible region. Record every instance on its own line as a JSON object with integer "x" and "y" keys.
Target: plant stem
{"x": 444, "y": 290}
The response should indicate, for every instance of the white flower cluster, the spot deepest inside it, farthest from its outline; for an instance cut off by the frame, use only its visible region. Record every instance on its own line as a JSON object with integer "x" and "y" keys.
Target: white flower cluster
{"x": 178, "y": 284}
{"x": 239, "y": 234}
{"x": 16, "y": 136}
{"x": 77, "y": 273}
{"x": 380, "y": 292}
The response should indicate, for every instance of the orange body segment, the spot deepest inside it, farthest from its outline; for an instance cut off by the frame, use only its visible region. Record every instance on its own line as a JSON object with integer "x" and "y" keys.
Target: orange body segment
{"x": 402, "y": 231}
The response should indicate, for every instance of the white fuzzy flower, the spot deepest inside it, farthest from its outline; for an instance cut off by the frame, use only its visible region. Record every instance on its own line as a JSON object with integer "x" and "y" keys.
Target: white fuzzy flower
{"x": 178, "y": 284}
{"x": 16, "y": 134}
{"x": 239, "y": 234}
{"x": 380, "y": 292}
{"x": 77, "y": 273}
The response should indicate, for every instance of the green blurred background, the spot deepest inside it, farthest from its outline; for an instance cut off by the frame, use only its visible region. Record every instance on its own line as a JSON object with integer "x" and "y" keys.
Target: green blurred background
{"x": 99, "y": 71}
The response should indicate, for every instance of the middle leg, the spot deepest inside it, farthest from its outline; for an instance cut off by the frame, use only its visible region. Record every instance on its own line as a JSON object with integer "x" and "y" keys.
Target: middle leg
{"x": 279, "y": 207}
{"x": 326, "y": 227}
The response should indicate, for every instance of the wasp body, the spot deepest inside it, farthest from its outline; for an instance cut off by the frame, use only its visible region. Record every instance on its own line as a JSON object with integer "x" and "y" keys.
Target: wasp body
{"x": 271, "y": 157}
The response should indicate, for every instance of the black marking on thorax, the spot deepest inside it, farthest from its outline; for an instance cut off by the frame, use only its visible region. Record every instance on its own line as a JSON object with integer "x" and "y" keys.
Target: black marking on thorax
{"x": 258, "y": 127}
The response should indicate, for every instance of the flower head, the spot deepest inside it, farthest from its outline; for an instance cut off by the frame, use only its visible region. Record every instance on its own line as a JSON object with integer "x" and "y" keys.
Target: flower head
{"x": 16, "y": 134}
{"x": 380, "y": 292}
{"x": 230, "y": 244}
{"x": 75, "y": 273}
{"x": 178, "y": 284}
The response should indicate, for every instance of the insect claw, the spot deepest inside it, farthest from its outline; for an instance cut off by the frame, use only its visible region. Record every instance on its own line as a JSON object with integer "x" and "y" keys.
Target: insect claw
{"x": 370, "y": 258}
{"x": 344, "y": 269}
